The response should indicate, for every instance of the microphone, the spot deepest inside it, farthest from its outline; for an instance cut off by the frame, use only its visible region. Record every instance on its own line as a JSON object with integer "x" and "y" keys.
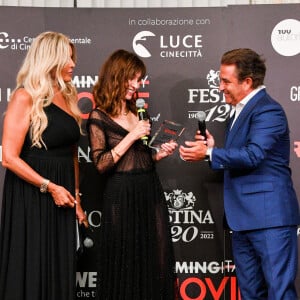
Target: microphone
{"x": 88, "y": 242}
{"x": 143, "y": 115}
{"x": 84, "y": 239}
{"x": 201, "y": 116}
{"x": 86, "y": 236}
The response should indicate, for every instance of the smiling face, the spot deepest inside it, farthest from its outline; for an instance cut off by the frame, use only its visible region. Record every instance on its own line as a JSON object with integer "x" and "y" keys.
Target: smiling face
{"x": 234, "y": 91}
{"x": 132, "y": 86}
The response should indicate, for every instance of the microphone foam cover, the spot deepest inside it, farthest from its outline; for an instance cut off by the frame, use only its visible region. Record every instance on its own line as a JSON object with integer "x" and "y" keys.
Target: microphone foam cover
{"x": 88, "y": 243}
{"x": 201, "y": 116}
{"x": 140, "y": 103}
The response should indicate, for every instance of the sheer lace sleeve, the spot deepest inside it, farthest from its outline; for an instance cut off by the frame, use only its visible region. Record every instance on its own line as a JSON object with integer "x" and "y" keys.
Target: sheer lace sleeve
{"x": 100, "y": 152}
{"x": 104, "y": 135}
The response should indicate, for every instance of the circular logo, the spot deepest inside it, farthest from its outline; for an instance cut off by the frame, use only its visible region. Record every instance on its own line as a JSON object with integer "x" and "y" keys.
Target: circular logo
{"x": 285, "y": 37}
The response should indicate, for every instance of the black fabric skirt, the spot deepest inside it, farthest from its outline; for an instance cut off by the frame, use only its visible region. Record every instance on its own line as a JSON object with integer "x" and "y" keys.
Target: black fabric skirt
{"x": 37, "y": 240}
{"x": 136, "y": 256}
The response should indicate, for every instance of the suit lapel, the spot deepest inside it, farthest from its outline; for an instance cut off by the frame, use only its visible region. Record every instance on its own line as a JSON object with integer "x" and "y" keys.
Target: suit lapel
{"x": 231, "y": 133}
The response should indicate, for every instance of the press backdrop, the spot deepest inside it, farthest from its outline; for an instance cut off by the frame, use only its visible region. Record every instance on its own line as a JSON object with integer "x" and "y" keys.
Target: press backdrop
{"x": 181, "y": 48}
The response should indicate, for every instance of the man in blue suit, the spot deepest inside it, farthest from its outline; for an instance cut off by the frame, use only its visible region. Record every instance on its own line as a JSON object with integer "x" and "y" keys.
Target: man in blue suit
{"x": 260, "y": 203}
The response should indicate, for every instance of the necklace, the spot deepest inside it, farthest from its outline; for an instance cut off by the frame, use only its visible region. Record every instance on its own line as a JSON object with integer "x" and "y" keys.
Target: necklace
{"x": 125, "y": 113}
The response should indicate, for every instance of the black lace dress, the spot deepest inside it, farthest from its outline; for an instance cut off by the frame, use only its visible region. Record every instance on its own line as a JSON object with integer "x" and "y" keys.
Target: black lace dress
{"x": 37, "y": 241}
{"x": 136, "y": 255}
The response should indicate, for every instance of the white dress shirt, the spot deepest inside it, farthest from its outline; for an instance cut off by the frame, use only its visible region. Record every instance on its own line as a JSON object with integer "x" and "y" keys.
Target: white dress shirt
{"x": 239, "y": 107}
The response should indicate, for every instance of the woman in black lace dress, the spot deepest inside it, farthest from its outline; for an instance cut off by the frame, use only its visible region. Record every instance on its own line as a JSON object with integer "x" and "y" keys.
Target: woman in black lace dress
{"x": 41, "y": 188}
{"x": 136, "y": 255}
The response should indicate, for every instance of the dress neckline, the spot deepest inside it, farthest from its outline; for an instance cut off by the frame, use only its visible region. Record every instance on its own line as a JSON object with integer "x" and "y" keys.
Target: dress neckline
{"x": 62, "y": 110}
{"x": 112, "y": 120}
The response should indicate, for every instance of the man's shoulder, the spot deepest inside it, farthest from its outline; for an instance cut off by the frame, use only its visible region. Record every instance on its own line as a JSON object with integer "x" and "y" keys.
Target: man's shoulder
{"x": 266, "y": 100}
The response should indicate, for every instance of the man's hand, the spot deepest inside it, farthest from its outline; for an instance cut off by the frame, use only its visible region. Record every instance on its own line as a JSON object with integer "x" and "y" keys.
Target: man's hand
{"x": 196, "y": 150}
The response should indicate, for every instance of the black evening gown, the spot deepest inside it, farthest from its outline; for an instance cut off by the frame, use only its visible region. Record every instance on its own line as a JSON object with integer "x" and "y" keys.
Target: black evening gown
{"x": 136, "y": 260}
{"x": 38, "y": 239}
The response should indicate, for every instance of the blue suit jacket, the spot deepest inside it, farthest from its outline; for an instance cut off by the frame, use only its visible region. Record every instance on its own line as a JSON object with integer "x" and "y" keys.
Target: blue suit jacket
{"x": 258, "y": 190}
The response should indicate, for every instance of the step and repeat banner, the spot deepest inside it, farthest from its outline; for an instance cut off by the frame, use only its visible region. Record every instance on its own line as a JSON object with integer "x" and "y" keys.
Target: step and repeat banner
{"x": 181, "y": 48}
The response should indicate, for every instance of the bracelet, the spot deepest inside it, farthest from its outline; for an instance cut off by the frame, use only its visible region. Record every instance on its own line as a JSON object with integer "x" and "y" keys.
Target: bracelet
{"x": 78, "y": 194}
{"x": 44, "y": 185}
{"x": 115, "y": 152}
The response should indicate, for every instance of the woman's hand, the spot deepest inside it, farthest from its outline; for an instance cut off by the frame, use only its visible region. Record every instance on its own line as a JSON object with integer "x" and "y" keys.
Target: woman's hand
{"x": 81, "y": 216}
{"x": 142, "y": 128}
{"x": 61, "y": 196}
{"x": 166, "y": 150}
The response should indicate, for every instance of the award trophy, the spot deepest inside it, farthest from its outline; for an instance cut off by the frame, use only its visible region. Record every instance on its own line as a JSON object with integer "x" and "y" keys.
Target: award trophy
{"x": 168, "y": 131}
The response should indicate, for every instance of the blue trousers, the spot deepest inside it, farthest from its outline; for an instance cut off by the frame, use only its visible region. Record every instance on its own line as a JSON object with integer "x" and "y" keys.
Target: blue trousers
{"x": 266, "y": 263}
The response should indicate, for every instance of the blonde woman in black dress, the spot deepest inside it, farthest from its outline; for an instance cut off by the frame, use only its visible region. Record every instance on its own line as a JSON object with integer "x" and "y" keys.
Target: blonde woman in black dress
{"x": 41, "y": 189}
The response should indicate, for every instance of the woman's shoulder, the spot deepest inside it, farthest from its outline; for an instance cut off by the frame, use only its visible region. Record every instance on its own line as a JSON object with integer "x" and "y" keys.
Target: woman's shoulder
{"x": 21, "y": 97}
{"x": 98, "y": 117}
{"x": 98, "y": 113}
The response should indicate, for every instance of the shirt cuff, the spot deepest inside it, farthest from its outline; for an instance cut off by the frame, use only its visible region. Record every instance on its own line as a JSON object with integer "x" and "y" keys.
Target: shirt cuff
{"x": 208, "y": 153}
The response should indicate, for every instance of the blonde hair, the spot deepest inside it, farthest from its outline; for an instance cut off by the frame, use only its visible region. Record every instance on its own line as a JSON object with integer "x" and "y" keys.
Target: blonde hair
{"x": 46, "y": 57}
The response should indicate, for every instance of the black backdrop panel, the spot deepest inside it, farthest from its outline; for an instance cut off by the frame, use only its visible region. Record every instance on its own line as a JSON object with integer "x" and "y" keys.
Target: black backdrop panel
{"x": 181, "y": 48}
